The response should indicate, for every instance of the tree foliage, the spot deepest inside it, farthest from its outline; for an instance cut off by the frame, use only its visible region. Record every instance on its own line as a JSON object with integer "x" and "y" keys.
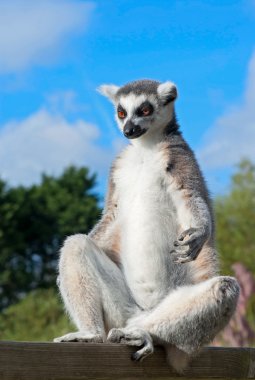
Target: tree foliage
{"x": 37, "y": 317}
{"x": 33, "y": 224}
{"x": 235, "y": 217}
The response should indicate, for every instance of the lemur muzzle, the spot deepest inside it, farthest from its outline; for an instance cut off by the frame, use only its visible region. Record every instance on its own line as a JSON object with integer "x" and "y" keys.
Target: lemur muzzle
{"x": 132, "y": 131}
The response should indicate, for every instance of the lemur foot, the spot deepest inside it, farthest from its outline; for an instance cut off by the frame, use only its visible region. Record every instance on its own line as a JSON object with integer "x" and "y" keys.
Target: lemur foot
{"x": 227, "y": 291}
{"x": 80, "y": 336}
{"x": 133, "y": 337}
{"x": 188, "y": 245}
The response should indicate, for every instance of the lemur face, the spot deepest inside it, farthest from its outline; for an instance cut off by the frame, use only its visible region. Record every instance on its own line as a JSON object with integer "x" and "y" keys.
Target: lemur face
{"x": 142, "y": 107}
{"x": 135, "y": 114}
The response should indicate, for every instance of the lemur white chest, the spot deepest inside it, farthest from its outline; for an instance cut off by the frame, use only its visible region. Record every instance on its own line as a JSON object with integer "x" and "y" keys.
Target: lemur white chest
{"x": 147, "y": 218}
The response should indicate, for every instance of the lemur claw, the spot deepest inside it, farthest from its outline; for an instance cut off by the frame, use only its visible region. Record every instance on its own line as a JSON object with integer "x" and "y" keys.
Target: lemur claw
{"x": 133, "y": 337}
{"x": 182, "y": 238}
{"x": 188, "y": 245}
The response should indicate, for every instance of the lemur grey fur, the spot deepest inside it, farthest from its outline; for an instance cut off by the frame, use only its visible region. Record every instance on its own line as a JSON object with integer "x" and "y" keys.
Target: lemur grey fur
{"x": 147, "y": 273}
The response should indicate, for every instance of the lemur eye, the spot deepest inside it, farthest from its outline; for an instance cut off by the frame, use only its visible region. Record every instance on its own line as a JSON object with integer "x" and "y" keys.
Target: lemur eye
{"x": 146, "y": 111}
{"x": 121, "y": 114}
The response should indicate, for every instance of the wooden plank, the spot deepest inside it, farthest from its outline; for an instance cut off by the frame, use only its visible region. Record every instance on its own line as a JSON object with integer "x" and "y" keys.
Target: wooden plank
{"x": 80, "y": 361}
{"x": 251, "y": 373}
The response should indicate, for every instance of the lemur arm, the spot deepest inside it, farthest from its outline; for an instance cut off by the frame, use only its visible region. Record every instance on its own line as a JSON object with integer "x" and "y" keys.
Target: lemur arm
{"x": 191, "y": 200}
{"x": 106, "y": 232}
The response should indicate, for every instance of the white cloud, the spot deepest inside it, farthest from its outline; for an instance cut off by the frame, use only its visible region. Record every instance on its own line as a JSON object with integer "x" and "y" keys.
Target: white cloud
{"x": 66, "y": 101}
{"x": 233, "y": 134}
{"x": 34, "y": 32}
{"x": 47, "y": 142}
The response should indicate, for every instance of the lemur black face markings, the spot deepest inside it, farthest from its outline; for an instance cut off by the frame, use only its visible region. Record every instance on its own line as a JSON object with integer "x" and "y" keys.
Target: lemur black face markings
{"x": 145, "y": 109}
{"x": 122, "y": 113}
{"x": 132, "y": 130}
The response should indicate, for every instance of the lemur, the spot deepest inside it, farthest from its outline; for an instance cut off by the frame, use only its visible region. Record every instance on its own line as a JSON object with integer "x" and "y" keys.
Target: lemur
{"x": 147, "y": 273}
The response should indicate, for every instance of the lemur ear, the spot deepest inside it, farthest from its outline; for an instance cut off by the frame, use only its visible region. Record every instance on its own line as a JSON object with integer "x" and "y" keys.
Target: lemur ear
{"x": 167, "y": 92}
{"x": 108, "y": 90}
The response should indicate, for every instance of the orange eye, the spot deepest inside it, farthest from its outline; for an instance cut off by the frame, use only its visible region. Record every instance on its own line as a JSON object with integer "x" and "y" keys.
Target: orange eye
{"x": 146, "y": 111}
{"x": 121, "y": 114}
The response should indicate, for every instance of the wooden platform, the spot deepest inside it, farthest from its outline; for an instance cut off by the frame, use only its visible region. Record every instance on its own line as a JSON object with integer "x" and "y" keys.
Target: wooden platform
{"x": 80, "y": 361}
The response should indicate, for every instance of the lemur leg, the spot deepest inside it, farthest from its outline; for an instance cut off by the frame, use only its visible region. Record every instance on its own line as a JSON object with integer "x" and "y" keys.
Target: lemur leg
{"x": 188, "y": 317}
{"x": 93, "y": 289}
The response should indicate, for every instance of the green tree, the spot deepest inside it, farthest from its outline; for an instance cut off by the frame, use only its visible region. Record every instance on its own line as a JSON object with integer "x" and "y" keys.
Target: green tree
{"x": 33, "y": 224}
{"x": 39, "y": 316}
{"x": 235, "y": 217}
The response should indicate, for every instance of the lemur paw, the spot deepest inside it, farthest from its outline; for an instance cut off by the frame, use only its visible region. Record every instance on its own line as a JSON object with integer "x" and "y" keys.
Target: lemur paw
{"x": 80, "y": 336}
{"x": 133, "y": 337}
{"x": 188, "y": 245}
{"x": 227, "y": 292}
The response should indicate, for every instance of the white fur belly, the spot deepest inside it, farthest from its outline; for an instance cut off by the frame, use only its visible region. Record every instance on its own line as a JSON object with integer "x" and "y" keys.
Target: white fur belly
{"x": 146, "y": 241}
{"x": 148, "y": 229}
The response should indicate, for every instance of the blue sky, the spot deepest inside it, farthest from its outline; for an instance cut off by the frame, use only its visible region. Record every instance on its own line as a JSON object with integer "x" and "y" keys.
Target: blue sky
{"x": 55, "y": 53}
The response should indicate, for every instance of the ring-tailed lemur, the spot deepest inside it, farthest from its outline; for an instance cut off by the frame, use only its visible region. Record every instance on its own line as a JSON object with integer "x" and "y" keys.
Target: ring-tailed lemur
{"x": 147, "y": 272}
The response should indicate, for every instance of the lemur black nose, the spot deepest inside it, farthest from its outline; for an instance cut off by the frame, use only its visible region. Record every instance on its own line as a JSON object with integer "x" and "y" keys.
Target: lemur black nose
{"x": 129, "y": 132}
{"x": 132, "y": 130}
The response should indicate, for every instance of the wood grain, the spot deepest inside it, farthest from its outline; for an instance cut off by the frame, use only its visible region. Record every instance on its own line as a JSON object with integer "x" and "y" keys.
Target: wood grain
{"x": 80, "y": 361}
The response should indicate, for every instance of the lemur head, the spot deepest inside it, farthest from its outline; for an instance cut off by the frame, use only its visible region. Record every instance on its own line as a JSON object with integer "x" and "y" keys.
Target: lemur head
{"x": 142, "y": 107}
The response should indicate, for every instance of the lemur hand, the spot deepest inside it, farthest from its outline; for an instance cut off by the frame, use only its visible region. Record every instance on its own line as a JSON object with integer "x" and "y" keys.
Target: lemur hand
{"x": 133, "y": 337}
{"x": 188, "y": 245}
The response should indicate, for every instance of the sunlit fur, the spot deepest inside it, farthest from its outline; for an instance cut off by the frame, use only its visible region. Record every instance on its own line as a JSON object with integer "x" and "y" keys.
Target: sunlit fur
{"x": 148, "y": 272}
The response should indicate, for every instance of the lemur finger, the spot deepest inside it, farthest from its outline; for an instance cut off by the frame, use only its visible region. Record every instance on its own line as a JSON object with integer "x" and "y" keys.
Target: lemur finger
{"x": 132, "y": 342}
{"x": 183, "y": 260}
{"x": 189, "y": 256}
{"x": 115, "y": 335}
{"x": 192, "y": 237}
{"x": 185, "y": 233}
{"x": 180, "y": 250}
{"x": 121, "y": 336}
{"x": 143, "y": 352}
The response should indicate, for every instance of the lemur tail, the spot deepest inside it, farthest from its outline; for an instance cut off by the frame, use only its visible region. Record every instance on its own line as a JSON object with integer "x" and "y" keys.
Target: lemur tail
{"x": 177, "y": 359}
